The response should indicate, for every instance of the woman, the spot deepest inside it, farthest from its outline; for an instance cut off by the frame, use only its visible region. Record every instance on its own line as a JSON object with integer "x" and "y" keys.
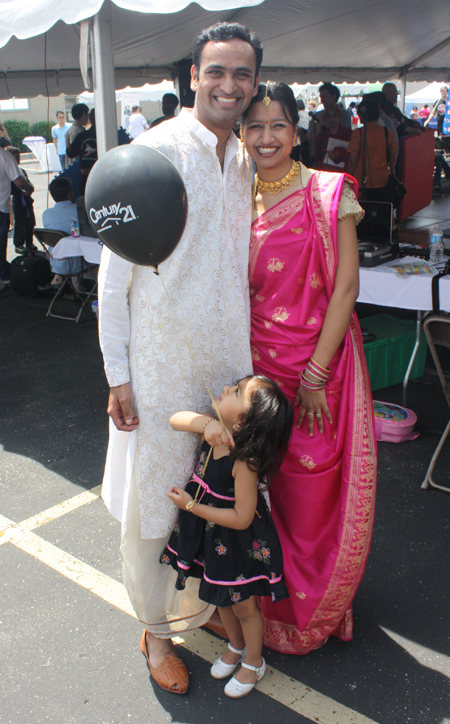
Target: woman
{"x": 303, "y": 272}
{"x": 414, "y": 115}
{"x": 333, "y": 156}
{"x": 372, "y": 173}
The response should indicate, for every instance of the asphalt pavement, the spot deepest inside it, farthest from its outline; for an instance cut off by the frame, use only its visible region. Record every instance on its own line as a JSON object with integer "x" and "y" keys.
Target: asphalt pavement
{"x": 69, "y": 640}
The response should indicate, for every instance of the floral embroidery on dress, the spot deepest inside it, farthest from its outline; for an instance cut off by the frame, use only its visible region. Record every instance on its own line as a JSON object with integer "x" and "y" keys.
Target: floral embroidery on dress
{"x": 209, "y": 525}
{"x": 307, "y": 462}
{"x": 315, "y": 280}
{"x": 273, "y": 596}
{"x": 200, "y": 469}
{"x": 297, "y": 230}
{"x": 240, "y": 578}
{"x": 165, "y": 558}
{"x": 182, "y": 578}
{"x": 255, "y": 354}
{"x": 273, "y": 353}
{"x": 280, "y": 315}
{"x": 259, "y": 551}
{"x": 220, "y": 548}
{"x": 268, "y": 324}
{"x": 275, "y": 265}
{"x": 311, "y": 320}
{"x": 260, "y": 298}
{"x": 234, "y": 595}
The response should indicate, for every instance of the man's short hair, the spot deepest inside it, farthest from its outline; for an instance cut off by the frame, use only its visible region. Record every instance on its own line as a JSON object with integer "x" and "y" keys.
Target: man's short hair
{"x": 78, "y": 110}
{"x": 134, "y": 108}
{"x": 220, "y": 33}
{"x": 332, "y": 89}
{"x": 12, "y": 150}
{"x": 170, "y": 98}
{"x": 58, "y": 112}
{"x": 60, "y": 188}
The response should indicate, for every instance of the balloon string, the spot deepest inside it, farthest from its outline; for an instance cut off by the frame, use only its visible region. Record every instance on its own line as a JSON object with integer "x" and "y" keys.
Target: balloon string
{"x": 214, "y": 405}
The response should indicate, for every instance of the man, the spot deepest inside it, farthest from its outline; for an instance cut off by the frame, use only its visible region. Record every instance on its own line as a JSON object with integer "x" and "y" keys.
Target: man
{"x": 60, "y": 217}
{"x": 439, "y": 110}
{"x": 80, "y": 115}
{"x": 137, "y": 124}
{"x": 402, "y": 123}
{"x": 329, "y": 96}
{"x": 143, "y": 335}
{"x": 59, "y": 137}
{"x": 9, "y": 172}
{"x": 169, "y": 104}
{"x": 84, "y": 147}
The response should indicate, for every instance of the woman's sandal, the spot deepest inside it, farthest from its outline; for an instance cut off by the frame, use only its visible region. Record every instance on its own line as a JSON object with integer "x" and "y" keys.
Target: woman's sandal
{"x": 171, "y": 675}
{"x": 235, "y": 690}
{"x": 221, "y": 670}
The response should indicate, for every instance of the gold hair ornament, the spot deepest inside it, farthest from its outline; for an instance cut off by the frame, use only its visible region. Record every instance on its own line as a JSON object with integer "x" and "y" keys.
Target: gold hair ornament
{"x": 266, "y": 100}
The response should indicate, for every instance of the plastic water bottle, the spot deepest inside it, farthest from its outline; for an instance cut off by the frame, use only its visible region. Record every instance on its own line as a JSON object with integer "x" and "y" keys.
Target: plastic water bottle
{"x": 75, "y": 227}
{"x": 436, "y": 245}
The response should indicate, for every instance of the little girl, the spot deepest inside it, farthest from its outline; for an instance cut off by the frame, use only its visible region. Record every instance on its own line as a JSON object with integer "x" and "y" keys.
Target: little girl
{"x": 225, "y": 535}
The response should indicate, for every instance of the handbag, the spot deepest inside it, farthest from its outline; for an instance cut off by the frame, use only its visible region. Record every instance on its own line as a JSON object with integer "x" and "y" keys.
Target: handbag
{"x": 394, "y": 190}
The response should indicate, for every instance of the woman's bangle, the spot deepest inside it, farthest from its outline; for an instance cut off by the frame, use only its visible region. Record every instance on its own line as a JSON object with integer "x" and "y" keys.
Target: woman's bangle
{"x": 207, "y": 423}
{"x": 190, "y": 505}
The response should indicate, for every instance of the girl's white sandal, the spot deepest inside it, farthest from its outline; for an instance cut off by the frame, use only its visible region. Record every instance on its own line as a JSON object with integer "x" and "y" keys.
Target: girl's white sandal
{"x": 235, "y": 690}
{"x": 220, "y": 670}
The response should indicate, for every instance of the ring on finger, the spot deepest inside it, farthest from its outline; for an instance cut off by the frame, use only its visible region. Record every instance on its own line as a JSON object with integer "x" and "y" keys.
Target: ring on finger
{"x": 318, "y": 414}
{"x": 310, "y": 414}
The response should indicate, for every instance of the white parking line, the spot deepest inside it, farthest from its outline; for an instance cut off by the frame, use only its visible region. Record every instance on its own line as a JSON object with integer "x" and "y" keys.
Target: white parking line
{"x": 290, "y": 693}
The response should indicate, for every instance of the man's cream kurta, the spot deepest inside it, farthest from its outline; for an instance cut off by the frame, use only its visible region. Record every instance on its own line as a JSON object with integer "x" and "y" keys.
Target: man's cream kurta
{"x": 143, "y": 329}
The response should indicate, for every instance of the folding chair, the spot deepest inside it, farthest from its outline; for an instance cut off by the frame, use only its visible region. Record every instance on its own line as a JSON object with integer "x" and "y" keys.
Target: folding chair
{"x": 437, "y": 332}
{"x": 48, "y": 238}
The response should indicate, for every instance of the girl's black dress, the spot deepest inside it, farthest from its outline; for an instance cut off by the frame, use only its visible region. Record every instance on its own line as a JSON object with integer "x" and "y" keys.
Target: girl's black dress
{"x": 232, "y": 564}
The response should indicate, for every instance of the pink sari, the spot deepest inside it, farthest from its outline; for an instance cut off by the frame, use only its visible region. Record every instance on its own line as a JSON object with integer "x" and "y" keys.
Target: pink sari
{"x": 323, "y": 497}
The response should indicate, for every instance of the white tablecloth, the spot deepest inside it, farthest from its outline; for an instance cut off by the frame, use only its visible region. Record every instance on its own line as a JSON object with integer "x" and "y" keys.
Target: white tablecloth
{"x": 383, "y": 287}
{"x": 84, "y": 246}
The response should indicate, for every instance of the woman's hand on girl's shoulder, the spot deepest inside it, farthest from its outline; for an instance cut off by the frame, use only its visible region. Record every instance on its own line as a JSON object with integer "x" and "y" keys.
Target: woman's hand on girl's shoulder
{"x": 216, "y": 435}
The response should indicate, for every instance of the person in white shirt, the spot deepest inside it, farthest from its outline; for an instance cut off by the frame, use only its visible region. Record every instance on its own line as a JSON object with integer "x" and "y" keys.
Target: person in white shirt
{"x": 9, "y": 171}
{"x": 142, "y": 335}
{"x": 137, "y": 123}
{"x": 59, "y": 137}
{"x": 60, "y": 217}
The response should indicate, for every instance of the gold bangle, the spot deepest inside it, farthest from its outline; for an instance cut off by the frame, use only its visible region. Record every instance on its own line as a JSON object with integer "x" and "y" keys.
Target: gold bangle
{"x": 190, "y": 505}
{"x": 207, "y": 423}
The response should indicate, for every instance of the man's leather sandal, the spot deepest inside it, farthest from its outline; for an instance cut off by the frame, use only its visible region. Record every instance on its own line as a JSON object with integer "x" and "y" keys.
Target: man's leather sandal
{"x": 171, "y": 675}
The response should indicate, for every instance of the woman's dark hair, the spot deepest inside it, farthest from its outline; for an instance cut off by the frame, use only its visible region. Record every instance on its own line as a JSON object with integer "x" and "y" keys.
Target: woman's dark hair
{"x": 368, "y": 110}
{"x": 300, "y": 104}
{"x": 221, "y": 32}
{"x": 277, "y": 91}
{"x": 265, "y": 428}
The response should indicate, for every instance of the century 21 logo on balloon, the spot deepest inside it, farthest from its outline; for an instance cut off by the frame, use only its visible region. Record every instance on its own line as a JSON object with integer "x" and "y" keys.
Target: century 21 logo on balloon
{"x": 114, "y": 213}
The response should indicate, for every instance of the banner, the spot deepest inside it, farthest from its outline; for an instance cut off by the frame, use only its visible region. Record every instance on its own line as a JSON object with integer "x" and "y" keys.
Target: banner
{"x": 446, "y": 126}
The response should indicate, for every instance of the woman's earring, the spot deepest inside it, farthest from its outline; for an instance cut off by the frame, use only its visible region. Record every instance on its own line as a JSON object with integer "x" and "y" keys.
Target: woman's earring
{"x": 295, "y": 141}
{"x": 241, "y": 133}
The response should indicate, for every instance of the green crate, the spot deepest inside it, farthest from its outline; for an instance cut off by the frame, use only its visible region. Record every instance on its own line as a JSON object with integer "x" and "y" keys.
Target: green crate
{"x": 389, "y": 353}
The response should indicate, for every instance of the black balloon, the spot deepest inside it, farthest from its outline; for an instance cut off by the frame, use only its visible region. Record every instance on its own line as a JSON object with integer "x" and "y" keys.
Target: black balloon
{"x": 136, "y": 202}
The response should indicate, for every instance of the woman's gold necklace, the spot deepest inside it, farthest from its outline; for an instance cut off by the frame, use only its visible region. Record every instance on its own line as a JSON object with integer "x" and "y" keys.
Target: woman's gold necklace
{"x": 276, "y": 187}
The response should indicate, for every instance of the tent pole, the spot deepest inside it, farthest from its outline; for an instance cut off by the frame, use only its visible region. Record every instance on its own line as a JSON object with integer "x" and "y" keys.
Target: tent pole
{"x": 104, "y": 80}
{"x": 404, "y": 79}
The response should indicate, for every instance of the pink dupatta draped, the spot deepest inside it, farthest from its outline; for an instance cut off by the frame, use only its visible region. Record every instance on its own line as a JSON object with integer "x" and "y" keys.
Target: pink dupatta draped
{"x": 323, "y": 497}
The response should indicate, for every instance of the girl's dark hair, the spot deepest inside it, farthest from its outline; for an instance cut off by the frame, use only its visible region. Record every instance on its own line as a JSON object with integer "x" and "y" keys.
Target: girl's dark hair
{"x": 368, "y": 110}
{"x": 265, "y": 428}
{"x": 277, "y": 91}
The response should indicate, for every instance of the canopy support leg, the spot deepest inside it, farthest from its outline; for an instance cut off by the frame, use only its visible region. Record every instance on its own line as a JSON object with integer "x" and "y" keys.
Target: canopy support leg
{"x": 104, "y": 80}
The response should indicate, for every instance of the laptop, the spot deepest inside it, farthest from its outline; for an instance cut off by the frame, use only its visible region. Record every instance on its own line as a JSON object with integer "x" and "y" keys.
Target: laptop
{"x": 375, "y": 234}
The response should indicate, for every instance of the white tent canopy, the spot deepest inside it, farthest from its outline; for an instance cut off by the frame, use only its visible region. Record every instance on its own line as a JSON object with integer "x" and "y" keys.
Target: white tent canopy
{"x": 429, "y": 94}
{"x": 351, "y": 40}
{"x": 146, "y": 92}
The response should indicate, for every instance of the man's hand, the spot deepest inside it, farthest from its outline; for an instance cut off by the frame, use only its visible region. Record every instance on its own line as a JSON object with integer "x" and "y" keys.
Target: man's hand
{"x": 119, "y": 408}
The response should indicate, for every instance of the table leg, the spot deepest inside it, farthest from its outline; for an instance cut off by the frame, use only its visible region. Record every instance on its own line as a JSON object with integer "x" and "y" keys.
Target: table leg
{"x": 413, "y": 357}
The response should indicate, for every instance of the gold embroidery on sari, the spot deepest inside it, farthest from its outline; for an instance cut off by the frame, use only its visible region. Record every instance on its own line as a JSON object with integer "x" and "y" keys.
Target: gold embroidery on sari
{"x": 275, "y": 265}
{"x": 300, "y": 594}
{"x": 255, "y": 354}
{"x": 268, "y": 324}
{"x": 311, "y": 320}
{"x": 297, "y": 230}
{"x": 307, "y": 462}
{"x": 273, "y": 353}
{"x": 259, "y": 298}
{"x": 279, "y": 382}
{"x": 280, "y": 315}
{"x": 301, "y": 280}
{"x": 315, "y": 280}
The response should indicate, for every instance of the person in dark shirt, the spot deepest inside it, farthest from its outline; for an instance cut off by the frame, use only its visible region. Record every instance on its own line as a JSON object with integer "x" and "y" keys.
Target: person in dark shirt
{"x": 84, "y": 146}
{"x": 169, "y": 104}
{"x": 439, "y": 110}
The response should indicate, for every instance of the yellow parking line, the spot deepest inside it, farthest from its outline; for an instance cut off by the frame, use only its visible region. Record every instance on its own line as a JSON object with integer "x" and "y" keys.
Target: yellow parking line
{"x": 293, "y": 694}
